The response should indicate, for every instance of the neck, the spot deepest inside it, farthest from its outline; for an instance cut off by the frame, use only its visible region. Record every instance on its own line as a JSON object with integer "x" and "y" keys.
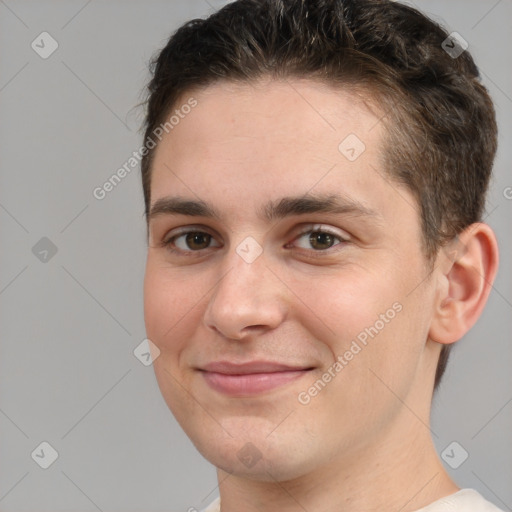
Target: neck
{"x": 398, "y": 471}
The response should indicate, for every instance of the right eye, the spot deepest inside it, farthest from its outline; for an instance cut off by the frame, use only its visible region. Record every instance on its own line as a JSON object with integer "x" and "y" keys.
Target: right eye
{"x": 189, "y": 241}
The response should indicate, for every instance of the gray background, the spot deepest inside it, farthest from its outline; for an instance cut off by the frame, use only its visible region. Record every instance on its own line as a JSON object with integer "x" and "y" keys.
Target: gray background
{"x": 69, "y": 325}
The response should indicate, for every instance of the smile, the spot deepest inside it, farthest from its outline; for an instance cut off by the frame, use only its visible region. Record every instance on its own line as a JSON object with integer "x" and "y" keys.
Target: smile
{"x": 249, "y": 379}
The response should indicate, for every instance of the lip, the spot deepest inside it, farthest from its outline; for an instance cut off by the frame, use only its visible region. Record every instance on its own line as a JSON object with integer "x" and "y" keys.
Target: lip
{"x": 252, "y": 378}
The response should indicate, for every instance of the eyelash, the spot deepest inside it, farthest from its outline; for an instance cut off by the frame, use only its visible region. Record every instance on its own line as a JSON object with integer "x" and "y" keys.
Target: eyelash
{"x": 168, "y": 244}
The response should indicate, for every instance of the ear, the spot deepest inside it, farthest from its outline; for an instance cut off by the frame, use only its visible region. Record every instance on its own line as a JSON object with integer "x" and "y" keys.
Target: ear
{"x": 467, "y": 268}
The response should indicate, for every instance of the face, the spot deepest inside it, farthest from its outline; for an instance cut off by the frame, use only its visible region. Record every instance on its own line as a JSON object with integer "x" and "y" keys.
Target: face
{"x": 290, "y": 305}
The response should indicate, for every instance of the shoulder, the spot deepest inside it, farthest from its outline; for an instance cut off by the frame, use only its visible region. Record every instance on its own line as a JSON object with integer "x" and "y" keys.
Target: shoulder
{"x": 465, "y": 500}
{"x": 214, "y": 506}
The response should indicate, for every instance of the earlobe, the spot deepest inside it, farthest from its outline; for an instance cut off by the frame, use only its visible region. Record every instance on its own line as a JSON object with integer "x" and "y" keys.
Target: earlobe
{"x": 468, "y": 267}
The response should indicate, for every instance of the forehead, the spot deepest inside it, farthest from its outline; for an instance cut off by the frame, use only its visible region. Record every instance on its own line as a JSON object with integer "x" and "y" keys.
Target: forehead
{"x": 279, "y": 111}
{"x": 234, "y": 121}
{"x": 246, "y": 142}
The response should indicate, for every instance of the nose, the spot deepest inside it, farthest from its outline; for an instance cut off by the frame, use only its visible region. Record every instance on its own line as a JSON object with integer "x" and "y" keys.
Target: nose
{"x": 248, "y": 298}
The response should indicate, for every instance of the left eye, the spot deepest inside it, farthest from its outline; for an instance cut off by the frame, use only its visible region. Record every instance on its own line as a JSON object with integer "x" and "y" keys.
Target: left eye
{"x": 319, "y": 240}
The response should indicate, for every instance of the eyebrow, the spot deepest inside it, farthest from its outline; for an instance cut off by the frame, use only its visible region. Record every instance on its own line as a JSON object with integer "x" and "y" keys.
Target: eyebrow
{"x": 272, "y": 210}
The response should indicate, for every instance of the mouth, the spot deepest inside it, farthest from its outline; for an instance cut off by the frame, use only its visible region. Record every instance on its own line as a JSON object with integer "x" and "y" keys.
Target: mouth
{"x": 249, "y": 379}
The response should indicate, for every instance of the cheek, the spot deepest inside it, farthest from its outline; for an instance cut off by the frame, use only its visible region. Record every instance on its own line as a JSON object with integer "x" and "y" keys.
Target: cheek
{"x": 384, "y": 343}
{"x": 169, "y": 319}
{"x": 168, "y": 306}
{"x": 342, "y": 303}
{"x": 373, "y": 325}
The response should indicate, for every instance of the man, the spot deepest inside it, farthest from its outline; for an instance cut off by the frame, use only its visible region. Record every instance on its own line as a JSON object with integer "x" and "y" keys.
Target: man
{"x": 314, "y": 184}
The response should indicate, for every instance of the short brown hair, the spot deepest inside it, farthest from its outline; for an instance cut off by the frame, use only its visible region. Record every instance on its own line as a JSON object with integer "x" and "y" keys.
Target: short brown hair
{"x": 440, "y": 121}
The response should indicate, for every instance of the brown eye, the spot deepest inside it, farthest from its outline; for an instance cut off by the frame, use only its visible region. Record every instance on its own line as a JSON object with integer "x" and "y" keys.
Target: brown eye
{"x": 190, "y": 241}
{"x": 321, "y": 240}
{"x": 197, "y": 240}
{"x": 318, "y": 240}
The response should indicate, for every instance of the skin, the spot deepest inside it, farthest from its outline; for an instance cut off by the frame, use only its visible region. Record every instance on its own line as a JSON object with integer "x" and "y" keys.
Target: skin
{"x": 363, "y": 443}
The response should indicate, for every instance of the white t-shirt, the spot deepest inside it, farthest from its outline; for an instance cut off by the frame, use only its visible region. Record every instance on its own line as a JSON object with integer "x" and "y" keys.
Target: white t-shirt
{"x": 465, "y": 500}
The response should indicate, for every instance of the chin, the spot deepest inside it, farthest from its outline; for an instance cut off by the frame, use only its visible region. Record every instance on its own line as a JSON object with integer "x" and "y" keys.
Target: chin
{"x": 258, "y": 457}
